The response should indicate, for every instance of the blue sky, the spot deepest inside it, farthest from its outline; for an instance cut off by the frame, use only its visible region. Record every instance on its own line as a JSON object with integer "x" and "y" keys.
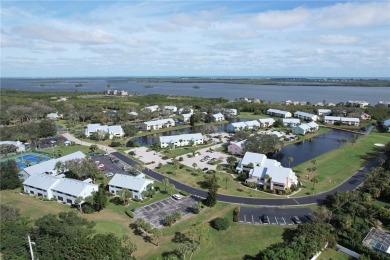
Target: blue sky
{"x": 195, "y": 38}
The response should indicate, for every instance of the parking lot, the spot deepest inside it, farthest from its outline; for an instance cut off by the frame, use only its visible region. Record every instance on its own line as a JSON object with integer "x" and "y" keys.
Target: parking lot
{"x": 273, "y": 215}
{"x": 109, "y": 166}
{"x": 156, "y": 212}
{"x": 147, "y": 156}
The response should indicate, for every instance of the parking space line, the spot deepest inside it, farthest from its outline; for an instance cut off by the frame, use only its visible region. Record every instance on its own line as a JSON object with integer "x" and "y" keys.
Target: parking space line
{"x": 284, "y": 221}
{"x": 276, "y": 221}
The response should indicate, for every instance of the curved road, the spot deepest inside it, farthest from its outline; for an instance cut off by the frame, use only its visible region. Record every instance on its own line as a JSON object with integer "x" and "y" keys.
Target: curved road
{"x": 350, "y": 184}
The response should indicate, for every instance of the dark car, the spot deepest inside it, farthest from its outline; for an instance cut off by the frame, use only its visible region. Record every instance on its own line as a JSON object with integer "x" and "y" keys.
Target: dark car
{"x": 265, "y": 219}
{"x": 205, "y": 169}
{"x": 296, "y": 220}
{"x": 310, "y": 218}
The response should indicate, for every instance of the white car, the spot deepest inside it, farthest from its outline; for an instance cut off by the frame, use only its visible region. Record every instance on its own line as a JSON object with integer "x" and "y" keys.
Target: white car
{"x": 109, "y": 174}
{"x": 177, "y": 196}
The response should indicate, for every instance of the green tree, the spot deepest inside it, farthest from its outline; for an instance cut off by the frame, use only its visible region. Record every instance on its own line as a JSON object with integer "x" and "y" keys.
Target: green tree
{"x": 290, "y": 160}
{"x": 93, "y": 148}
{"x": 212, "y": 182}
{"x": 226, "y": 180}
{"x": 100, "y": 198}
{"x": 124, "y": 195}
{"x": 9, "y": 178}
{"x": 231, "y": 160}
{"x": 194, "y": 165}
{"x": 265, "y": 144}
{"x": 165, "y": 183}
{"x": 157, "y": 233}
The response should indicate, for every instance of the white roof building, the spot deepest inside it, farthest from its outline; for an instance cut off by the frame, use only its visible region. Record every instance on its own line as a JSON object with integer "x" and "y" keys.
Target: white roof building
{"x": 53, "y": 115}
{"x": 21, "y": 147}
{"x": 257, "y": 159}
{"x": 235, "y": 127}
{"x": 158, "y": 124}
{"x": 133, "y": 113}
{"x": 305, "y": 116}
{"x": 113, "y": 131}
{"x": 48, "y": 167}
{"x": 252, "y": 124}
{"x": 324, "y": 112}
{"x": 266, "y": 122}
{"x": 343, "y": 120}
{"x": 280, "y": 177}
{"x": 136, "y": 184}
{"x": 218, "y": 117}
{"x": 291, "y": 122}
{"x": 152, "y": 108}
{"x": 305, "y": 128}
{"x": 181, "y": 140}
{"x": 279, "y": 113}
{"x": 62, "y": 189}
{"x": 186, "y": 117}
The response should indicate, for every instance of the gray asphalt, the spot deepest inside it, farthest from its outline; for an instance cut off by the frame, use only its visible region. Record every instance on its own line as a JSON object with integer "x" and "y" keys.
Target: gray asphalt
{"x": 350, "y": 184}
{"x": 276, "y": 215}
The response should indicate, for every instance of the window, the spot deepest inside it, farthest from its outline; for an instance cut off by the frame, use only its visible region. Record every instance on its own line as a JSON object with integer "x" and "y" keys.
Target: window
{"x": 60, "y": 198}
{"x": 112, "y": 191}
{"x": 40, "y": 195}
{"x": 32, "y": 192}
{"x": 69, "y": 201}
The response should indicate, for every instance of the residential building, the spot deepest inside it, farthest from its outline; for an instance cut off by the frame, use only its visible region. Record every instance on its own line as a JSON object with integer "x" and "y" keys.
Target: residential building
{"x": 305, "y": 128}
{"x": 152, "y": 108}
{"x": 278, "y": 113}
{"x": 253, "y": 124}
{"x": 291, "y": 122}
{"x": 383, "y": 104}
{"x": 324, "y": 112}
{"x": 273, "y": 176}
{"x": 49, "y": 167}
{"x": 171, "y": 108}
{"x": 123, "y": 93}
{"x": 306, "y": 116}
{"x": 230, "y": 111}
{"x": 251, "y": 160}
{"x": 181, "y": 140}
{"x": 378, "y": 240}
{"x": 361, "y": 104}
{"x": 112, "y": 131}
{"x": 158, "y": 124}
{"x": 266, "y": 122}
{"x": 236, "y": 147}
{"x": 20, "y": 146}
{"x": 218, "y": 117}
{"x": 63, "y": 189}
{"x": 136, "y": 184}
{"x": 319, "y": 104}
{"x": 331, "y": 104}
{"x": 236, "y": 127}
{"x": 54, "y": 115}
{"x": 186, "y": 117}
{"x": 342, "y": 120}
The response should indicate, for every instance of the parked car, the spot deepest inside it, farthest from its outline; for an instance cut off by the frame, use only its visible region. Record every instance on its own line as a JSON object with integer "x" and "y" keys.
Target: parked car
{"x": 205, "y": 169}
{"x": 177, "y": 196}
{"x": 310, "y": 218}
{"x": 109, "y": 174}
{"x": 102, "y": 169}
{"x": 265, "y": 219}
{"x": 296, "y": 220}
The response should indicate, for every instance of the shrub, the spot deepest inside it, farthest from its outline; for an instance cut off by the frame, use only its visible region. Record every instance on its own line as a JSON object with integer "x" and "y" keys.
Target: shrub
{"x": 196, "y": 208}
{"x": 132, "y": 153}
{"x": 165, "y": 157}
{"x": 184, "y": 193}
{"x": 220, "y": 223}
{"x": 236, "y": 214}
{"x": 171, "y": 219}
{"x": 88, "y": 209}
{"x": 136, "y": 200}
{"x": 129, "y": 213}
{"x": 236, "y": 218}
{"x": 181, "y": 159}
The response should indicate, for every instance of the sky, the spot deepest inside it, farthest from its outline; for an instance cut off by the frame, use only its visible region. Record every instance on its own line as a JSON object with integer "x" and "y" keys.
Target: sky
{"x": 195, "y": 38}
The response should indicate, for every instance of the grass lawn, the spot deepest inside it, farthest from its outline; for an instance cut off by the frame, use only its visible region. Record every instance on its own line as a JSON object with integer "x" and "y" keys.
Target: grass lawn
{"x": 234, "y": 243}
{"x": 330, "y": 253}
{"x": 65, "y": 150}
{"x": 195, "y": 178}
{"x": 251, "y": 116}
{"x": 173, "y": 153}
{"x": 335, "y": 166}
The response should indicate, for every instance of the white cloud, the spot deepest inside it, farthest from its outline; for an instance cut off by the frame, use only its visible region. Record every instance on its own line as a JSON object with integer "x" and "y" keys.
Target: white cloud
{"x": 338, "y": 39}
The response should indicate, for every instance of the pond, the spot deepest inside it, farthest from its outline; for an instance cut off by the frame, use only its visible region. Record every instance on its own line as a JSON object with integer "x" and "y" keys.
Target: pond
{"x": 313, "y": 147}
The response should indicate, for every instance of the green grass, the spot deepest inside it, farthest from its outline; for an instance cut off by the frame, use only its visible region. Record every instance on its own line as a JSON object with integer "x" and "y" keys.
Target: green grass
{"x": 195, "y": 178}
{"x": 173, "y": 153}
{"x": 335, "y": 166}
{"x": 107, "y": 226}
{"x": 250, "y": 115}
{"x": 380, "y": 203}
{"x": 331, "y": 254}
{"x": 235, "y": 242}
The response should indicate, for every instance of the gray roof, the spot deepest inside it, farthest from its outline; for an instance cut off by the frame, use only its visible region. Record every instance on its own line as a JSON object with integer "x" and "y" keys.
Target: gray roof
{"x": 343, "y": 119}
{"x": 177, "y": 138}
{"x": 277, "y": 173}
{"x": 291, "y": 120}
{"x": 254, "y": 158}
{"x": 252, "y": 123}
{"x": 313, "y": 124}
{"x": 49, "y": 165}
{"x": 117, "y": 129}
{"x": 266, "y": 120}
{"x": 73, "y": 187}
{"x": 238, "y": 125}
{"x": 129, "y": 182}
{"x": 159, "y": 122}
{"x": 277, "y": 111}
{"x": 218, "y": 115}
{"x": 41, "y": 181}
{"x": 300, "y": 113}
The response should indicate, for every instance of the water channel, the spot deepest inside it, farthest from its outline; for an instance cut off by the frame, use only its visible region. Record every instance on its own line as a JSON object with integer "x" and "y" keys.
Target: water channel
{"x": 300, "y": 152}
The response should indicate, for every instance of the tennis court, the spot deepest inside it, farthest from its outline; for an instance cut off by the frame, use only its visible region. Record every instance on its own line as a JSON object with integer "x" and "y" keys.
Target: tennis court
{"x": 32, "y": 158}
{"x": 21, "y": 165}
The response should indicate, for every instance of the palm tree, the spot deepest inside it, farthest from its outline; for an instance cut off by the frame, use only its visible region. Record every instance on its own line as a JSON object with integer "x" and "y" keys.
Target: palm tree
{"x": 125, "y": 194}
{"x": 171, "y": 187}
{"x": 165, "y": 183}
{"x": 226, "y": 180}
{"x": 157, "y": 233}
{"x": 59, "y": 166}
{"x": 290, "y": 160}
{"x": 78, "y": 202}
{"x": 314, "y": 180}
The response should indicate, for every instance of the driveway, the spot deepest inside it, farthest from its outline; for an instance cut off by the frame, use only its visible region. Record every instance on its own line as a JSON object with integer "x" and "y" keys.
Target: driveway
{"x": 156, "y": 212}
{"x": 200, "y": 160}
{"x": 72, "y": 138}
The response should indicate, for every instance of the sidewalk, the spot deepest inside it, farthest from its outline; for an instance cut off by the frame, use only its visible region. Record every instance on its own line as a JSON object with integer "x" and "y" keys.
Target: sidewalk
{"x": 71, "y": 138}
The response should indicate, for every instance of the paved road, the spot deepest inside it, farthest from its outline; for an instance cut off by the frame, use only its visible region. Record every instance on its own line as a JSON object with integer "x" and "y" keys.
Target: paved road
{"x": 352, "y": 183}
{"x": 71, "y": 137}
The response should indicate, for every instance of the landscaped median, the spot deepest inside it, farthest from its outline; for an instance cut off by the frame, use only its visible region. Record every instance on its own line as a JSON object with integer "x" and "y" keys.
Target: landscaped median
{"x": 336, "y": 166}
